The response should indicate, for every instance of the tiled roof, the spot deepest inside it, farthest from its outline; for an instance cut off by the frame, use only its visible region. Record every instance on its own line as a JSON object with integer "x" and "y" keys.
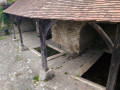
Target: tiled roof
{"x": 78, "y": 10}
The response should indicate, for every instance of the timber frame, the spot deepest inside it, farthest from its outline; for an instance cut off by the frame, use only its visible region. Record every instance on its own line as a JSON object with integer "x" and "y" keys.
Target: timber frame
{"x": 113, "y": 47}
{"x": 115, "y": 50}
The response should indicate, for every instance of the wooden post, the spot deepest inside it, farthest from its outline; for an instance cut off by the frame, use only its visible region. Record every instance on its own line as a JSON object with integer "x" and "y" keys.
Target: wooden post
{"x": 115, "y": 62}
{"x": 13, "y": 29}
{"x": 22, "y": 47}
{"x": 41, "y": 27}
{"x": 43, "y": 30}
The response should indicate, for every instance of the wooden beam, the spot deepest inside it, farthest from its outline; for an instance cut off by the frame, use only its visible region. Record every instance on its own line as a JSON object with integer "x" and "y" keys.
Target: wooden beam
{"x": 42, "y": 31}
{"x": 13, "y": 29}
{"x": 115, "y": 62}
{"x": 19, "y": 20}
{"x": 117, "y": 38}
{"x": 49, "y": 26}
{"x": 103, "y": 35}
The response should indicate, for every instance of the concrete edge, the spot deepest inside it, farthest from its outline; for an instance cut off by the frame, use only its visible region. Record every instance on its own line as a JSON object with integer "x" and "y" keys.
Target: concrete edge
{"x": 49, "y": 58}
{"x": 61, "y": 51}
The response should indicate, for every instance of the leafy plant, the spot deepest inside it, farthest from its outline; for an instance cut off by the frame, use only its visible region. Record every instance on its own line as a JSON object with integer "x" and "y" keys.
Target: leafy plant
{"x": 4, "y": 20}
{"x": 66, "y": 73}
{"x": 36, "y": 79}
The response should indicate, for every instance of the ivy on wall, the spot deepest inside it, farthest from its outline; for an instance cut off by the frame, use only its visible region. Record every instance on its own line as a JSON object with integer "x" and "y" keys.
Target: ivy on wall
{"x": 4, "y": 18}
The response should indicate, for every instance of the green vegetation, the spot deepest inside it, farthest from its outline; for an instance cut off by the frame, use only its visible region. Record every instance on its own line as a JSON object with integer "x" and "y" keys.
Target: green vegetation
{"x": 66, "y": 73}
{"x": 50, "y": 51}
{"x": 17, "y": 58}
{"x": 1, "y": 38}
{"x": 58, "y": 67}
{"x": 36, "y": 79}
{"x": 4, "y": 18}
{"x": 77, "y": 75}
{"x": 10, "y": 1}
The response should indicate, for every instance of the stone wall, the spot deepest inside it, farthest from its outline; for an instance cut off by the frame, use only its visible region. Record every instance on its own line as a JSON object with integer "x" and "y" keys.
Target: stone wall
{"x": 72, "y": 36}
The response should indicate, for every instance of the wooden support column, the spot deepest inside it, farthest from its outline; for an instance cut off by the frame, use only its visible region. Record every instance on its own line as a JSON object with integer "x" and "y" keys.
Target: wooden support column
{"x": 13, "y": 29}
{"x": 43, "y": 30}
{"x": 41, "y": 27}
{"x": 22, "y": 47}
{"x": 115, "y": 63}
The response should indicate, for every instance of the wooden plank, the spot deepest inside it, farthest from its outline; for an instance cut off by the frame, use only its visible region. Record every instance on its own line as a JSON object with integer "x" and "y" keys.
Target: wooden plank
{"x": 99, "y": 87}
{"x": 90, "y": 62}
{"x": 117, "y": 38}
{"x": 106, "y": 38}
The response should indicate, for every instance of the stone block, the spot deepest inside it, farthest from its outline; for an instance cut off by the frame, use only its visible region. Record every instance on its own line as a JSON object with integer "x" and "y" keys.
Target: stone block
{"x": 46, "y": 75}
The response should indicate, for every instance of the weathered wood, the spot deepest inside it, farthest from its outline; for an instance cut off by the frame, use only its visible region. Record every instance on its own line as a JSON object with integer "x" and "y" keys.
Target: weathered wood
{"x": 18, "y": 19}
{"x": 115, "y": 62}
{"x": 117, "y": 38}
{"x": 13, "y": 29}
{"x": 41, "y": 27}
{"x": 103, "y": 35}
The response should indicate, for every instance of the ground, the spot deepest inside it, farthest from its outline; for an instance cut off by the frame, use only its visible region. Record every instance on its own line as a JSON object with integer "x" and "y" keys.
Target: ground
{"x": 17, "y": 69}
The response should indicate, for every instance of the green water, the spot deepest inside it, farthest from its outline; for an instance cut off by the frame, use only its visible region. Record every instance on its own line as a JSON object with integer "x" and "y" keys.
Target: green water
{"x": 98, "y": 73}
{"x": 50, "y": 51}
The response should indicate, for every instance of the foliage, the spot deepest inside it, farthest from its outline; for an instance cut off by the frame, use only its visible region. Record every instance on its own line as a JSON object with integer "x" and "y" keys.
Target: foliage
{"x": 36, "y": 79}
{"x": 4, "y": 18}
{"x": 66, "y": 73}
{"x": 10, "y": 1}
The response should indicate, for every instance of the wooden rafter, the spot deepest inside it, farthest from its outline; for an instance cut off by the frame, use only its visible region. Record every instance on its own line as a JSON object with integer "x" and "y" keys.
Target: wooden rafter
{"x": 106, "y": 38}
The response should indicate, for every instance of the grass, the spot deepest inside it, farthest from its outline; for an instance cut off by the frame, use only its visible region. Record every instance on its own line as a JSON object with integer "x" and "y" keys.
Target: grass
{"x": 17, "y": 58}
{"x": 18, "y": 49}
{"x": 1, "y": 38}
{"x": 50, "y": 51}
{"x": 58, "y": 67}
{"x": 77, "y": 75}
{"x": 65, "y": 73}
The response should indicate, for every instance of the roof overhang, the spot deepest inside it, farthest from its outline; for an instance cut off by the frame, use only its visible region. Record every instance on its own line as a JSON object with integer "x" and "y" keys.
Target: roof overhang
{"x": 77, "y": 10}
